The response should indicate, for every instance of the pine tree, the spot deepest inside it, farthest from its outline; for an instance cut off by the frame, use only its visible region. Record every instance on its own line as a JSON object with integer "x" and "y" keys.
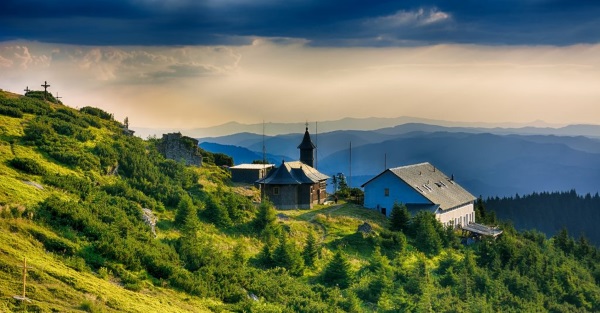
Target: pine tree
{"x": 266, "y": 216}
{"x": 217, "y": 213}
{"x": 287, "y": 256}
{"x": 337, "y": 272}
{"x": 186, "y": 212}
{"x": 311, "y": 250}
{"x": 428, "y": 239}
{"x": 399, "y": 217}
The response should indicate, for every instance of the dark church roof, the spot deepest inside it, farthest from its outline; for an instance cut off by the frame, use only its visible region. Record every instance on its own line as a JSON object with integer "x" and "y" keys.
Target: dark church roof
{"x": 306, "y": 142}
{"x": 293, "y": 173}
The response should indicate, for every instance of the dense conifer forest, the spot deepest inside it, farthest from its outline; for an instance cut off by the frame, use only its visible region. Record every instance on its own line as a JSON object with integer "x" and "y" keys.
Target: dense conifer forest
{"x": 549, "y": 212}
{"x": 74, "y": 186}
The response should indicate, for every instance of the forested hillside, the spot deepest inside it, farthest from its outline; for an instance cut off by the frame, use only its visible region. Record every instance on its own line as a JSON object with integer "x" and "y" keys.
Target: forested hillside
{"x": 549, "y": 212}
{"x": 76, "y": 193}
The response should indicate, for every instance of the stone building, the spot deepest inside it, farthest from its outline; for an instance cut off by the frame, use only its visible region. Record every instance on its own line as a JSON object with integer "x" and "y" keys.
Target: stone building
{"x": 296, "y": 185}
{"x": 176, "y": 147}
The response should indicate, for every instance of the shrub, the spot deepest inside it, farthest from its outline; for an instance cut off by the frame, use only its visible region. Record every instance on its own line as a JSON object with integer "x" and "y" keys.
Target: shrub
{"x": 29, "y": 166}
{"x": 9, "y": 111}
{"x": 74, "y": 184}
{"x": 54, "y": 244}
{"x": 96, "y": 112}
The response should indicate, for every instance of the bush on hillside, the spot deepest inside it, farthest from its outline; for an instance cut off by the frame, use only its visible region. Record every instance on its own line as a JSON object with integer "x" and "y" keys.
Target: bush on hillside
{"x": 10, "y": 111}
{"x": 29, "y": 166}
{"x": 96, "y": 112}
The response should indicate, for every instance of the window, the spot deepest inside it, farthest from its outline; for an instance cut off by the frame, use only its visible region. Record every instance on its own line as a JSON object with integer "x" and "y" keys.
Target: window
{"x": 275, "y": 190}
{"x": 386, "y": 191}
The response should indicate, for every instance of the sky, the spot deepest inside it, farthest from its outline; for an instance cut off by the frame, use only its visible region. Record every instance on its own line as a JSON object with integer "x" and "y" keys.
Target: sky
{"x": 191, "y": 63}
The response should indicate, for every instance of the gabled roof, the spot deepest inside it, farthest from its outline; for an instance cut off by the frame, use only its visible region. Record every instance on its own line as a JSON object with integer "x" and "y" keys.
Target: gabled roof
{"x": 432, "y": 184}
{"x": 246, "y": 166}
{"x": 306, "y": 141}
{"x": 293, "y": 173}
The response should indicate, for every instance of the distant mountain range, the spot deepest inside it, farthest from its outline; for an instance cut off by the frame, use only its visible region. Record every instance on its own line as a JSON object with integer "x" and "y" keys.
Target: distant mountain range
{"x": 374, "y": 123}
{"x": 487, "y": 161}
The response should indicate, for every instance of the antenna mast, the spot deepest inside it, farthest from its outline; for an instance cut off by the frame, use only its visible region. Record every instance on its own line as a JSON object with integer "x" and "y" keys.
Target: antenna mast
{"x": 264, "y": 151}
{"x": 350, "y": 180}
{"x": 317, "y": 144}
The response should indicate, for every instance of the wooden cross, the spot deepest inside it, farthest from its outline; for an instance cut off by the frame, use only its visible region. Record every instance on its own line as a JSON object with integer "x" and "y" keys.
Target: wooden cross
{"x": 25, "y": 267}
{"x": 45, "y": 85}
{"x": 26, "y": 89}
{"x": 57, "y": 97}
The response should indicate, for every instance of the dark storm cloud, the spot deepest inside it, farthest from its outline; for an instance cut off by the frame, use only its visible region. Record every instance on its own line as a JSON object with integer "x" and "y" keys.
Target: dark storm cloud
{"x": 326, "y": 23}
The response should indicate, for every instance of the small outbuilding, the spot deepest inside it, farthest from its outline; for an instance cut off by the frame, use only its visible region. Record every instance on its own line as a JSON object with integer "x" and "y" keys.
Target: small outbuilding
{"x": 249, "y": 173}
{"x": 421, "y": 187}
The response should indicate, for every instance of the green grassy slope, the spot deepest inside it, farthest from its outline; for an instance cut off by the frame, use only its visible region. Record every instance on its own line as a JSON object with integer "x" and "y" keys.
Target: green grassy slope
{"x": 72, "y": 192}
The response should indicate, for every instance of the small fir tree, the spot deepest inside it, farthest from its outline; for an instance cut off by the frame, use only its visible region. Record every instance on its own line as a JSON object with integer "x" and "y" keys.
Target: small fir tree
{"x": 399, "y": 217}
{"x": 266, "y": 216}
{"x": 186, "y": 212}
{"x": 337, "y": 273}
{"x": 287, "y": 256}
{"x": 311, "y": 250}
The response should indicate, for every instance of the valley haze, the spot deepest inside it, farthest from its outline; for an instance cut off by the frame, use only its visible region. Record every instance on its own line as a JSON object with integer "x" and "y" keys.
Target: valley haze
{"x": 488, "y": 161}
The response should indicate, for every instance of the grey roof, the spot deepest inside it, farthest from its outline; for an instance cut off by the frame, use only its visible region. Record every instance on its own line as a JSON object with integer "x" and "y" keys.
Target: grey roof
{"x": 433, "y": 185}
{"x": 293, "y": 173}
{"x": 246, "y": 166}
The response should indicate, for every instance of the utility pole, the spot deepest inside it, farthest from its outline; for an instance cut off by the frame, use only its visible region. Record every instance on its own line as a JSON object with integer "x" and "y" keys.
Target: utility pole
{"x": 23, "y": 297}
{"x": 316, "y": 144}
{"x": 385, "y": 161}
{"x": 350, "y": 181}
{"x": 45, "y": 85}
{"x": 264, "y": 151}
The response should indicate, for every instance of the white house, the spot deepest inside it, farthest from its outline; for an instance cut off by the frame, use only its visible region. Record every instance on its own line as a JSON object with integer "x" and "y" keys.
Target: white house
{"x": 420, "y": 187}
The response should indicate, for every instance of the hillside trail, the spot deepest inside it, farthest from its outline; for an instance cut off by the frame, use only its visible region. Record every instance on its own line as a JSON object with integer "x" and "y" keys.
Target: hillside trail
{"x": 333, "y": 208}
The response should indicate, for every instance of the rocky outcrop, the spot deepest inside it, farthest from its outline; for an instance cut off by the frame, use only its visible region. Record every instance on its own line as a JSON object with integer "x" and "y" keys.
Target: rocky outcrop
{"x": 149, "y": 219}
{"x": 176, "y": 147}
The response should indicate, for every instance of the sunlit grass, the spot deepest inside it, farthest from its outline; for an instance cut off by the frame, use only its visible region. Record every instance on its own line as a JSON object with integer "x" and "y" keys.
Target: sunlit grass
{"x": 53, "y": 286}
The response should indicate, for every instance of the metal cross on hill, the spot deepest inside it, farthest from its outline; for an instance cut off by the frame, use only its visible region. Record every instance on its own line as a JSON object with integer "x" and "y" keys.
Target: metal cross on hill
{"x": 45, "y": 85}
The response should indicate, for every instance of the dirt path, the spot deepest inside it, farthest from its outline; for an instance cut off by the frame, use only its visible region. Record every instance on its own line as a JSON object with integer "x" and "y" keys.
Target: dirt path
{"x": 321, "y": 226}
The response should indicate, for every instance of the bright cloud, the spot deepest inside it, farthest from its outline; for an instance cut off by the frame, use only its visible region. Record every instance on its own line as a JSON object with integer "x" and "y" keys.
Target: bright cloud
{"x": 286, "y": 80}
{"x": 420, "y": 17}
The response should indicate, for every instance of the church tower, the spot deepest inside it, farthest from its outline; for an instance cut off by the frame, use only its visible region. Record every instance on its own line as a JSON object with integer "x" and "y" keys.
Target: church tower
{"x": 307, "y": 155}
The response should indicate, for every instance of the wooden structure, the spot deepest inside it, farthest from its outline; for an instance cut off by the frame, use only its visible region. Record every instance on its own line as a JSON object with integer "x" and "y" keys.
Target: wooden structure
{"x": 45, "y": 85}
{"x": 480, "y": 230}
{"x": 296, "y": 185}
{"x": 23, "y": 297}
{"x": 249, "y": 173}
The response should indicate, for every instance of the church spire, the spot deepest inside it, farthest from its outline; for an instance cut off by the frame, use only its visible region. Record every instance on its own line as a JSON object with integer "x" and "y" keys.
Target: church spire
{"x": 307, "y": 148}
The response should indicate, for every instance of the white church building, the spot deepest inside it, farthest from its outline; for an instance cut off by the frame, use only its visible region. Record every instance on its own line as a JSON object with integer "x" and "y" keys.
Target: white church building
{"x": 421, "y": 187}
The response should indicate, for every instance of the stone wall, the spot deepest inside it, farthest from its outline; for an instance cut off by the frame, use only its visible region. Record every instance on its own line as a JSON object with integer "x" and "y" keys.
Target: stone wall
{"x": 176, "y": 147}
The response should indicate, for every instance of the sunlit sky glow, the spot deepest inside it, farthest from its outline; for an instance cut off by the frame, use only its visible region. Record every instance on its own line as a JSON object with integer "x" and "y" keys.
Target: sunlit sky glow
{"x": 183, "y": 64}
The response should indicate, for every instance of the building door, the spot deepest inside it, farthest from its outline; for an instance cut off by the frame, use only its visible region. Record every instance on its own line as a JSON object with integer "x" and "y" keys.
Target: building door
{"x": 384, "y": 211}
